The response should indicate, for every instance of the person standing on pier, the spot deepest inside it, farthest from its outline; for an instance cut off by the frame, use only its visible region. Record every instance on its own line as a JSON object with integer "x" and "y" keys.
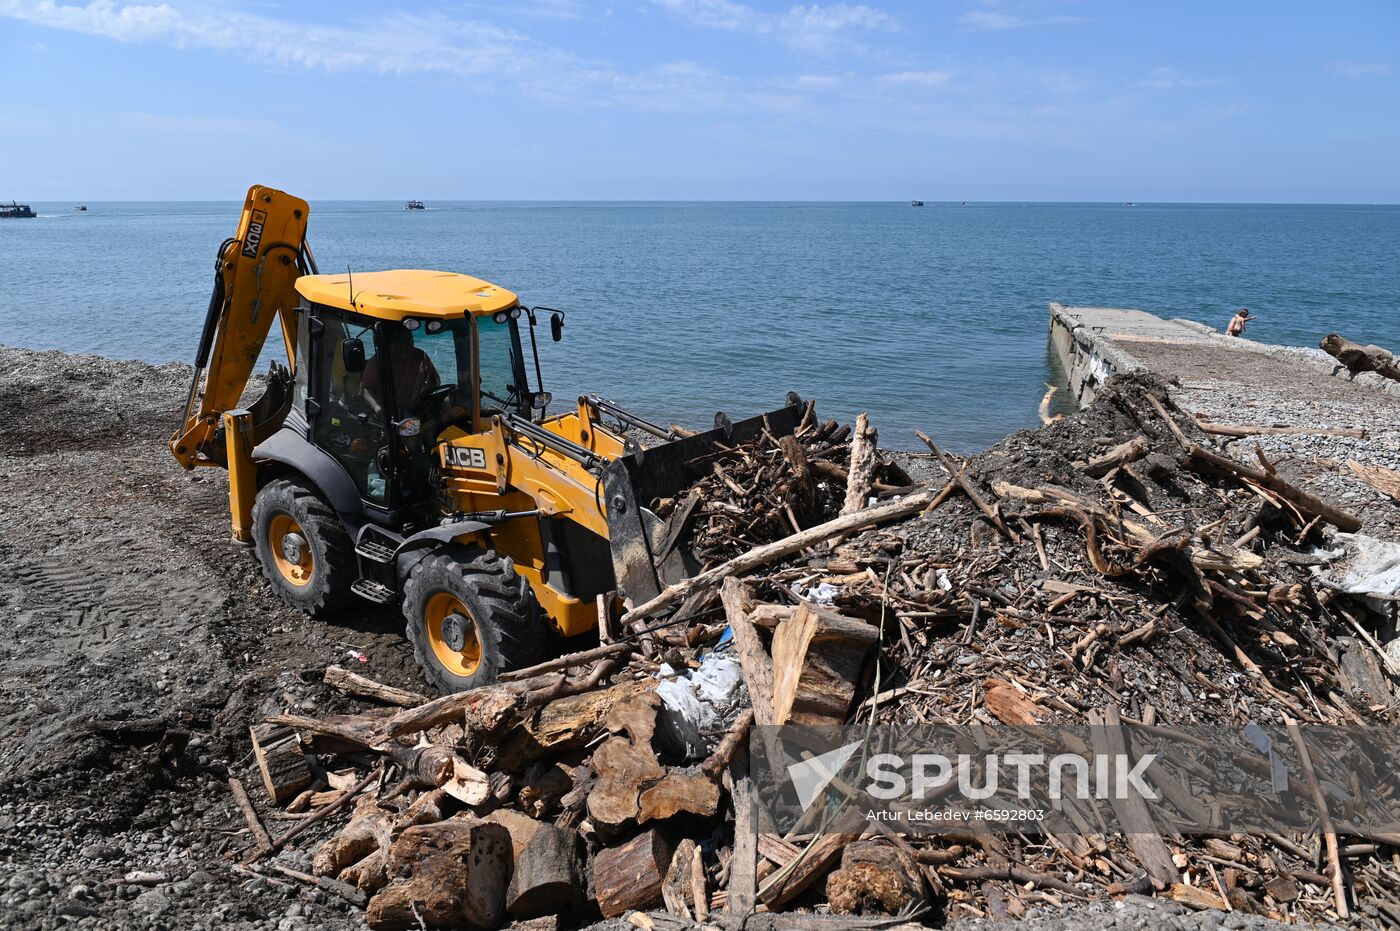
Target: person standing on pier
{"x": 1237, "y": 323}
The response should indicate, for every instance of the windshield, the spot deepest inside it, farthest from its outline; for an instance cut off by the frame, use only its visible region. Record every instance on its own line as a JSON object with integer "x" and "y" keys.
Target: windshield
{"x": 503, "y": 386}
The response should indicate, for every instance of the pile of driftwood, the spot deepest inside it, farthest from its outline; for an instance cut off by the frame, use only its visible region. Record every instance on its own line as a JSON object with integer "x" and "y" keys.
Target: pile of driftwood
{"x": 1111, "y": 567}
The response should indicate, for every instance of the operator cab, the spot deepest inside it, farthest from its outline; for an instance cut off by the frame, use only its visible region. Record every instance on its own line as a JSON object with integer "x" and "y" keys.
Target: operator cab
{"x": 397, "y": 357}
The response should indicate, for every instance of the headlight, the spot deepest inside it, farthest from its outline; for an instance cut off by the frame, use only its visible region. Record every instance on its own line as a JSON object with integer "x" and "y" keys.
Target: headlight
{"x": 514, "y": 313}
{"x": 500, "y": 316}
{"x": 434, "y": 326}
{"x": 411, "y": 324}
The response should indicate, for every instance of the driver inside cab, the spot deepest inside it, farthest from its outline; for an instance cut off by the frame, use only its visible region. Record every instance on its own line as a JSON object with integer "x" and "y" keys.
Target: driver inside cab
{"x": 413, "y": 372}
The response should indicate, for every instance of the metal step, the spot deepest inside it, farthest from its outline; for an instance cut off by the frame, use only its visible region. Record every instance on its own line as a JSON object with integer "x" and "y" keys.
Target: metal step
{"x": 373, "y": 591}
{"x": 375, "y": 551}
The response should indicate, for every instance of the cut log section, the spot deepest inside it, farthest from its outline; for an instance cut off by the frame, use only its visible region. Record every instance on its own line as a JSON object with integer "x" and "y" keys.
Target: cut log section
{"x": 281, "y": 761}
{"x": 630, "y": 877}
{"x": 447, "y": 875}
{"x": 548, "y": 877}
{"x": 818, "y": 654}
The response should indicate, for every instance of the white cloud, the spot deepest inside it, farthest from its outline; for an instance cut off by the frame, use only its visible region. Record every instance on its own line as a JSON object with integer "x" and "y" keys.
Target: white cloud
{"x": 395, "y": 44}
{"x": 917, "y": 78}
{"x": 1361, "y": 69}
{"x": 990, "y": 20}
{"x": 809, "y": 28}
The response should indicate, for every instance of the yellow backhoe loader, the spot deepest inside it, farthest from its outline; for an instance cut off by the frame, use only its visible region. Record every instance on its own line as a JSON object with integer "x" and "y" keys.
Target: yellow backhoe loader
{"x": 403, "y": 454}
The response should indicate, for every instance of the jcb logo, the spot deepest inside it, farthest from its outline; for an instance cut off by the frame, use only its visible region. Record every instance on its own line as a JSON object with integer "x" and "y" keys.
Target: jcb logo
{"x": 254, "y": 237}
{"x": 466, "y": 457}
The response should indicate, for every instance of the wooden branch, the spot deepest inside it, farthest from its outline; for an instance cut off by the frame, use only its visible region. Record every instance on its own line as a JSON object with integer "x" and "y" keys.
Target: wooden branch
{"x": 354, "y": 684}
{"x": 581, "y": 658}
{"x": 1151, "y": 851}
{"x": 716, "y": 763}
{"x": 743, "y": 861}
{"x": 968, "y": 488}
{"x": 1386, "y": 481}
{"x": 1167, "y": 419}
{"x": 314, "y": 818}
{"x": 772, "y": 552}
{"x": 1221, "y": 429}
{"x": 240, "y": 795}
{"x": 864, "y": 461}
{"x": 1011, "y": 872}
{"x": 1329, "y": 833}
{"x": 1300, "y": 499}
{"x": 754, "y": 660}
{"x": 1044, "y": 410}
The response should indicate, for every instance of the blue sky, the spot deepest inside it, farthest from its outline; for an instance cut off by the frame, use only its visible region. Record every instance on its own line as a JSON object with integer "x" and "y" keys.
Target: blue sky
{"x": 703, "y": 99}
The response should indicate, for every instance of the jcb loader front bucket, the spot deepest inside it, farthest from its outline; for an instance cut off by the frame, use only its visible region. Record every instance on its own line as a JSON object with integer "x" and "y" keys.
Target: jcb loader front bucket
{"x": 632, "y": 482}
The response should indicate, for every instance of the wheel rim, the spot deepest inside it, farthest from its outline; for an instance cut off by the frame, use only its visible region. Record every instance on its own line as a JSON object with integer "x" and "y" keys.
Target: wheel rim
{"x": 296, "y": 571}
{"x": 441, "y": 607}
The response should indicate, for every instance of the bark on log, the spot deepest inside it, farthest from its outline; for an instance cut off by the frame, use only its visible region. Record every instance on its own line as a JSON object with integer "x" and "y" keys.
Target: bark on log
{"x": 1221, "y": 429}
{"x": 1357, "y": 358}
{"x": 631, "y": 876}
{"x": 818, "y": 654}
{"x": 281, "y": 761}
{"x": 1120, "y": 455}
{"x": 1300, "y": 499}
{"x": 445, "y": 875}
{"x": 864, "y": 461}
{"x": 875, "y": 878}
{"x": 1386, "y": 481}
{"x": 548, "y": 877}
{"x": 675, "y": 890}
{"x": 771, "y": 552}
{"x": 354, "y": 684}
{"x": 803, "y": 497}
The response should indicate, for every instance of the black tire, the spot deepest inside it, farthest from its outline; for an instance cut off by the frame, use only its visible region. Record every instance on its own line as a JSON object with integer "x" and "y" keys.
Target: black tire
{"x": 501, "y": 612}
{"x": 282, "y": 505}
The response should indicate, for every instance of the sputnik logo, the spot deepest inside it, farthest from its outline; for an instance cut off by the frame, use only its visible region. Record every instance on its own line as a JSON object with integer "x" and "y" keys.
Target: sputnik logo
{"x": 811, "y": 777}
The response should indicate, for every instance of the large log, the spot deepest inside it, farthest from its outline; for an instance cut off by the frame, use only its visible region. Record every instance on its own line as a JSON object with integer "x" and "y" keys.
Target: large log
{"x": 1120, "y": 455}
{"x": 548, "y": 877}
{"x": 445, "y": 875}
{"x": 761, "y": 556}
{"x": 818, "y": 654}
{"x": 355, "y": 684}
{"x": 864, "y": 461}
{"x": 631, "y": 876}
{"x": 1357, "y": 358}
{"x": 281, "y": 761}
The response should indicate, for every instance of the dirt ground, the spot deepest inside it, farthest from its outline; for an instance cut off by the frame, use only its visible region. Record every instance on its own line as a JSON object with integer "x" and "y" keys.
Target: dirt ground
{"x": 139, "y": 640}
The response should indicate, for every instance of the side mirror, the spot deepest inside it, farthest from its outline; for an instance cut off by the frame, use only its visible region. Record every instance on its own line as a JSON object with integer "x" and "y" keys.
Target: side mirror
{"x": 540, "y": 400}
{"x": 556, "y": 326}
{"x": 352, "y": 353}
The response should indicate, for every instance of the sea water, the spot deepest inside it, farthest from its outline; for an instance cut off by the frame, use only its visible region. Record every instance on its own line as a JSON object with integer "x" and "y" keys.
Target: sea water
{"x": 929, "y": 318}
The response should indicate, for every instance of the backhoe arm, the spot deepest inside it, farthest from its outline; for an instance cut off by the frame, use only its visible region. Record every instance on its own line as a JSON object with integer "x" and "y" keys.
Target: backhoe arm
{"x": 254, "y": 280}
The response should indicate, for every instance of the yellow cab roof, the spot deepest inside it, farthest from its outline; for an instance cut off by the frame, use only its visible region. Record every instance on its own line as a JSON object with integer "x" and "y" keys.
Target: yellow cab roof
{"x": 400, "y": 293}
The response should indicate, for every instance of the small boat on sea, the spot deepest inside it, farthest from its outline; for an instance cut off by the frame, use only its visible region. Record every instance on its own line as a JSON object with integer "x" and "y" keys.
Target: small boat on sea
{"x": 916, "y": 203}
{"x": 13, "y": 211}
{"x": 82, "y": 208}
{"x": 1128, "y": 203}
{"x": 414, "y": 205}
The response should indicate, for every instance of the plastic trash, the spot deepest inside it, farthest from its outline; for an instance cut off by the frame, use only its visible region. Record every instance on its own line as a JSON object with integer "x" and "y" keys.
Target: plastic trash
{"x": 698, "y": 707}
{"x": 821, "y": 594}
